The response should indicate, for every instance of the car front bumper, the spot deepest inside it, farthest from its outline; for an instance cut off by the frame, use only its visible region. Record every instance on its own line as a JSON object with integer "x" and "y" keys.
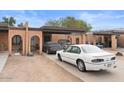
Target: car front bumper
{"x": 100, "y": 66}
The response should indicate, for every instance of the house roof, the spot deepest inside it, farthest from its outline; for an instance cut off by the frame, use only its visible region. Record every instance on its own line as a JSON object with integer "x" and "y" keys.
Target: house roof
{"x": 103, "y": 33}
{"x": 3, "y": 27}
{"x": 23, "y": 28}
{"x": 109, "y": 32}
{"x": 61, "y": 28}
{"x": 18, "y": 28}
{"x": 45, "y": 29}
{"x": 54, "y": 29}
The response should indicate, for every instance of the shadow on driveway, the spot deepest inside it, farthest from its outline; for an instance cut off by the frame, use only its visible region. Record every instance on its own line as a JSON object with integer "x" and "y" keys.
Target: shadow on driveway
{"x": 93, "y": 72}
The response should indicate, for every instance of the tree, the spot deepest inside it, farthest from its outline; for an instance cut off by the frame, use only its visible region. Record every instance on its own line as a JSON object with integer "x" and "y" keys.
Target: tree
{"x": 69, "y": 22}
{"x": 53, "y": 23}
{"x": 20, "y": 25}
{"x": 9, "y": 20}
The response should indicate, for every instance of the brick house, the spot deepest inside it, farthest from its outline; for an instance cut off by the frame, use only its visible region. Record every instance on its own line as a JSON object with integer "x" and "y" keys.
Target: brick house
{"x": 110, "y": 38}
{"x": 28, "y": 39}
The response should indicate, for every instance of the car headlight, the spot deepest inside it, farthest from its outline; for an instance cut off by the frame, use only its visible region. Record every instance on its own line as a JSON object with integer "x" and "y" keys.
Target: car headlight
{"x": 113, "y": 58}
{"x": 97, "y": 60}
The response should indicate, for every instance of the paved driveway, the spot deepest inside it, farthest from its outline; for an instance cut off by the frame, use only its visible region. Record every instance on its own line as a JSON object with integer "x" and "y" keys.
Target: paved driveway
{"x": 3, "y": 59}
{"x": 36, "y": 68}
{"x": 114, "y": 75}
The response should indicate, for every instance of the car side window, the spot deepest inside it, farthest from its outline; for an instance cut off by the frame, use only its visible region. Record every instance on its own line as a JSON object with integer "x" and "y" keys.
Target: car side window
{"x": 68, "y": 49}
{"x": 75, "y": 50}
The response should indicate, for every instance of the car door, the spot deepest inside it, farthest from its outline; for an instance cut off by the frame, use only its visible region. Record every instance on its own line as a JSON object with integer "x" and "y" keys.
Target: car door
{"x": 74, "y": 54}
{"x": 71, "y": 54}
{"x": 66, "y": 53}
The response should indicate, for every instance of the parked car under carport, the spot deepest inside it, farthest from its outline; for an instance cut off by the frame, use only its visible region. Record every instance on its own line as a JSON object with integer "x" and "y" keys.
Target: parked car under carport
{"x": 51, "y": 47}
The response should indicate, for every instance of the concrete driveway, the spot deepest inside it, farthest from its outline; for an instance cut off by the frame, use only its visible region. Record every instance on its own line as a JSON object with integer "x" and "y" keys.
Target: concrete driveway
{"x": 34, "y": 69}
{"x": 113, "y": 75}
{"x": 3, "y": 59}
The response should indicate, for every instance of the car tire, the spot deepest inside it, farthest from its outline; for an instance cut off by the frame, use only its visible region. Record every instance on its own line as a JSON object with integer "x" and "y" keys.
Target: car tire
{"x": 81, "y": 66}
{"x": 59, "y": 57}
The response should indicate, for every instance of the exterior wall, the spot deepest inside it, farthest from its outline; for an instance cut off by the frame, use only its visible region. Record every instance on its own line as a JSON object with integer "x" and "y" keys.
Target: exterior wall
{"x": 114, "y": 42}
{"x": 80, "y": 37}
{"x": 39, "y": 35}
{"x": 94, "y": 39}
{"x": 3, "y": 41}
{"x": 99, "y": 38}
{"x": 56, "y": 37}
{"x": 21, "y": 33}
{"x": 71, "y": 37}
{"x": 120, "y": 41}
{"x": 90, "y": 38}
{"x": 25, "y": 41}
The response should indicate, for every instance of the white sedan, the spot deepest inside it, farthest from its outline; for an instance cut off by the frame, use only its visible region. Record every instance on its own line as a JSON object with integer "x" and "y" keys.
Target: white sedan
{"x": 87, "y": 57}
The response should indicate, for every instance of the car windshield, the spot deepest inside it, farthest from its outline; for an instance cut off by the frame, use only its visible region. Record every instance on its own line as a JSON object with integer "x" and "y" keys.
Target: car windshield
{"x": 91, "y": 49}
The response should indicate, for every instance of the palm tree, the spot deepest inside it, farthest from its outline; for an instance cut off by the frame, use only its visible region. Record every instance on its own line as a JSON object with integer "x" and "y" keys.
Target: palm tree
{"x": 9, "y": 20}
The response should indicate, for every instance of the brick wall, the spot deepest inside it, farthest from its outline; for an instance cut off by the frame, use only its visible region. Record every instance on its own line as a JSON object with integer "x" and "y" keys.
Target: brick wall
{"x": 26, "y": 48}
{"x": 3, "y": 41}
{"x": 120, "y": 41}
{"x": 56, "y": 37}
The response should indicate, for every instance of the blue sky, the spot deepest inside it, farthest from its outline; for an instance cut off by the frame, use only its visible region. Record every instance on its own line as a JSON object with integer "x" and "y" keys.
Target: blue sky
{"x": 104, "y": 19}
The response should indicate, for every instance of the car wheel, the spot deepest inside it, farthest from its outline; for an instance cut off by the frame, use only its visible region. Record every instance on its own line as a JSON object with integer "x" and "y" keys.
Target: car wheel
{"x": 81, "y": 66}
{"x": 59, "y": 57}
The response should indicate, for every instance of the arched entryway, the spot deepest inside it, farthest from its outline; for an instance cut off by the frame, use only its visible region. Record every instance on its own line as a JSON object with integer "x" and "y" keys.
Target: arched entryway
{"x": 35, "y": 44}
{"x": 17, "y": 44}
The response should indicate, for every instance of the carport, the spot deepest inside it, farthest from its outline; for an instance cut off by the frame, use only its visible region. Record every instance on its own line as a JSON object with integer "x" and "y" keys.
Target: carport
{"x": 3, "y": 45}
{"x": 3, "y": 37}
{"x": 49, "y": 31}
{"x": 110, "y": 38}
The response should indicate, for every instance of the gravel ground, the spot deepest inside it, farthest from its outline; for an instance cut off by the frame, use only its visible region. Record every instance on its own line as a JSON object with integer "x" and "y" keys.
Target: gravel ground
{"x": 34, "y": 69}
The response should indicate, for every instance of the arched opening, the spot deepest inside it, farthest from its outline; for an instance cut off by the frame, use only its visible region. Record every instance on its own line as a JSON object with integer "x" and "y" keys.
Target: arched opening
{"x": 17, "y": 44}
{"x": 35, "y": 44}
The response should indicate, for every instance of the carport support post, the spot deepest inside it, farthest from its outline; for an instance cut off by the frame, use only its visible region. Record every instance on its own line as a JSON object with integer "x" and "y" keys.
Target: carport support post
{"x": 26, "y": 38}
{"x": 94, "y": 40}
{"x": 73, "y": 39}
{"x": 9, "y": 43}
{"x": 113, "y": 42}
{"x": 102, "y": 39}
{"x": 83, "y": 38}
{"x": 41, "y": 44}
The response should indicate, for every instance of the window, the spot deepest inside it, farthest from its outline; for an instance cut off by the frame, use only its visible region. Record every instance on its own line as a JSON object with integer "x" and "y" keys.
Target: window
{"x": 68, "y": 49}
{"x": 76, "y": 50}
{"x": 91, "y": 49}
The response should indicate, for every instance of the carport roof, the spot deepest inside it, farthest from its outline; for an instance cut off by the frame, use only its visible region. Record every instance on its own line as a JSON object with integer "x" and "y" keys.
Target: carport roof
{"x": 3, "y": 27}
{"x": 61, "y": 30}
{"x": 46, "y": 29}
{"x": 109, "y": 32}
{"x": 103, "y": 33}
